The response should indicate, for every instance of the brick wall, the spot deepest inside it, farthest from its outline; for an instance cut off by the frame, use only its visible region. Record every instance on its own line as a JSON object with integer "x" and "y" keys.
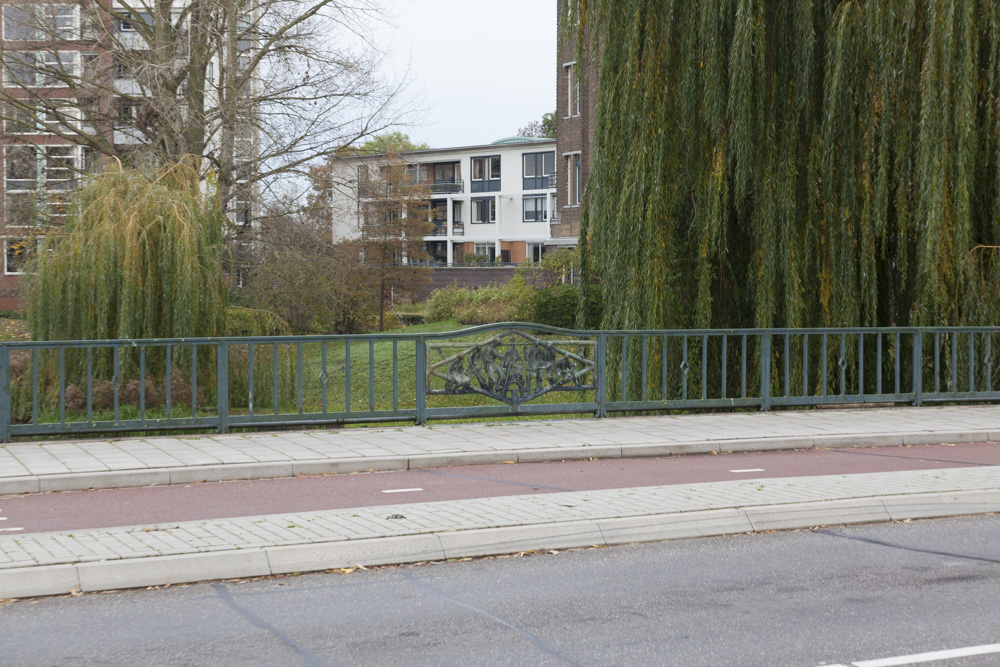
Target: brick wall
{"x": 479, "y": 276}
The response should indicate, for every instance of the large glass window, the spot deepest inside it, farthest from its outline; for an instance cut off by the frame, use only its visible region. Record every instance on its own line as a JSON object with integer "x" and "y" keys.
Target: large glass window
{"x": 486, "y": 174}
{"x": 536, "y": 209}
{"x": 40, "y": 69}
{"x": 484, "y": 211}
{"x": 15, "y": 256}
{"x": 539, "y": 168}
{"x": 36, "y": 175}
{"x": 41, "y": 21}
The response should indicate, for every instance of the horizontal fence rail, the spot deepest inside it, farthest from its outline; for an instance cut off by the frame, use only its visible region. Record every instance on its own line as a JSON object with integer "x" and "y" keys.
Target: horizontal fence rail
{"x": 68, "y": 387}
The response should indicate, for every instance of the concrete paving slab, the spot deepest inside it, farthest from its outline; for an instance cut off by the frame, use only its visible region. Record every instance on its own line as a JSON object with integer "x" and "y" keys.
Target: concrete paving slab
{"x": 801, "y": 515}
{"x": 656, "y": 528}
{"x": 37, "y": 581}
{"x": 512, "y": 539}
{"x": 163, "y": 570}
{"x": 332, "y": 555}
{"x": 958, "y": 503}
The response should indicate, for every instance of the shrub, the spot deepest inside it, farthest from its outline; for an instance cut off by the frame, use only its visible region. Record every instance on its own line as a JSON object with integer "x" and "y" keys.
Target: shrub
{"x": 254, "y": 322}
{"x": 444, "y": 303}
{"x": 557, "y": 306}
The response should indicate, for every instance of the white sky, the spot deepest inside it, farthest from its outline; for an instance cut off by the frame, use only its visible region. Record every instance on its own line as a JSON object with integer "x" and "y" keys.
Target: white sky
{"x": 481, "y": 69}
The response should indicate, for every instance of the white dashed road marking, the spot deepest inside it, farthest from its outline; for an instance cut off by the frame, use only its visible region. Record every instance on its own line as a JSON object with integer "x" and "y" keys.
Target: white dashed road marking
{"x": 400, "y": 490}
{"x": 749, "y": 470}
{"x": 933, "y": 656}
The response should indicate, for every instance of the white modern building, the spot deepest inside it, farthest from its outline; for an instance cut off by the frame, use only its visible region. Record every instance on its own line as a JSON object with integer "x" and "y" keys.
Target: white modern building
{"x": 496, "y": 201}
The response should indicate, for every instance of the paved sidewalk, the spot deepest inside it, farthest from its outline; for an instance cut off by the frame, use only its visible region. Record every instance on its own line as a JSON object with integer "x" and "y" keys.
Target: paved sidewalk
{"x": 68, "y": 465}
{"x": 105, "y": 559}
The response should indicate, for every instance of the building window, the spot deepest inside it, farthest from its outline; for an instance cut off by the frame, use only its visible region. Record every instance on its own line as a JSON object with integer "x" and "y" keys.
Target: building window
{"x": 535, "y": 252}
{"x": 572, "y": 83}
{"x": 539, "y": 170}
{"x": 41, "y": 22}
{"x": 456, "y": 212}
{"x": 536, "y": 209}
{"x": 33, "y": 169}
{"x": 486, "y": 174}
{"x": 15, "y": 256}
{"x": 486, "y": 250}
{"x": 574, "y": 186}
{"x": 40, "y": 69}
{"x": 484, "y": 210}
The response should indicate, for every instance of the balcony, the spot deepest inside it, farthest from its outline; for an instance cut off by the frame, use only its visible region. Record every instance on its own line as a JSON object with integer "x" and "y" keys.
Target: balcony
{"x": 440, "y": 229}
{"x": 446, "y": 185}
{"x": 458, "y": 229}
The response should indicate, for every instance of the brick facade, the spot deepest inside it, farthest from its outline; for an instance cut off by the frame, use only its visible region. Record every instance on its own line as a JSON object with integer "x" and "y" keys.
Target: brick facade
{"x": 575, "y": 131}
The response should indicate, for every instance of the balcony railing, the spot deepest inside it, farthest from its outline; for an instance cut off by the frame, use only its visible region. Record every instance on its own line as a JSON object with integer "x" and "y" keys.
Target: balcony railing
{"x": 440, "y": 229}
{"x": 458, "y": 229}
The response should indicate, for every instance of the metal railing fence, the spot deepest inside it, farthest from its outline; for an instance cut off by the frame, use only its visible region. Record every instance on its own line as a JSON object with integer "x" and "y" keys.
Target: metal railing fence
{"x": 52, "y": 388}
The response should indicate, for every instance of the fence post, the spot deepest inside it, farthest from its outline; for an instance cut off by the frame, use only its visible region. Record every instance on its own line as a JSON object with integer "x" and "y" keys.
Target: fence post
{"x": 421, "y": 381}
{"x": 765, "y": 371}
{"x": 5, "y": 406}
{"x": 222, "y": 385}
{"x": 918, "y": 366}
{"x": 601, "y": 375}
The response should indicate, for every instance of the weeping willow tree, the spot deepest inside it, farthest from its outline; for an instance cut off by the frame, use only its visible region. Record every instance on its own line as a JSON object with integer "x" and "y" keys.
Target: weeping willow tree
{"x": 793, "y": 162}
{"x": 139, "y": 257}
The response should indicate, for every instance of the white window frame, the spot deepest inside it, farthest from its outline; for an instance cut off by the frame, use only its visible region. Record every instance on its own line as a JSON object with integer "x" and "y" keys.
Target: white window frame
{"x": 42, "y": 60}
{"x": 8, "y": 243}
{"x": 488, "y": 174}
{"x": 573, "y": 103}
{"x": 544, "y": 199}
{"x": 44, "y": 13}
{"x": 482, "y": 249}
{"x": 48, "y": 188}
{"x": 492, "y": 208}
{"x": 573, "y": 173}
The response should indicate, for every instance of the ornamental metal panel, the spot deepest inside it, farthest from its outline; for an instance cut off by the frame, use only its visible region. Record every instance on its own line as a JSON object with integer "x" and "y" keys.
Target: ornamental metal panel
{"x": 512, "y": 367}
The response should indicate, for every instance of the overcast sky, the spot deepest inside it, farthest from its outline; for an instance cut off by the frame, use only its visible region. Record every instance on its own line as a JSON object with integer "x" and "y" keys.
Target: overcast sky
{"x": 482, "y": 69}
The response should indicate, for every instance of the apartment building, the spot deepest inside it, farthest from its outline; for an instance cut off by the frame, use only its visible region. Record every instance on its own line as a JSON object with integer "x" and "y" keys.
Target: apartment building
{"x": 487, "y": 203}
{"x": 83, "y": 80}
{"x": 576, "y": 106}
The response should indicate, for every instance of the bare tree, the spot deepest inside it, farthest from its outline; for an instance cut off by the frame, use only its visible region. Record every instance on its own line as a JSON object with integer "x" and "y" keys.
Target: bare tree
{"x": 257, "y": 89}
{"x": 392, "y": 208}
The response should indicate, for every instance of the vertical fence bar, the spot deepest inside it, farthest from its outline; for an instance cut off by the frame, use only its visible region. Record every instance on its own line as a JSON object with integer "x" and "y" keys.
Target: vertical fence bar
{"x": 918, "y": 366}
{"x": 222, "y": 382}
{"x": 250, "y": 378}
{"x": 645, "y": 356}
{"x": 972, "y": 362}
{"x": 5, "y": 404}
{"x": 743, "y": 365}
{"x": 842, "y": 364}
{"x": 624, "y": 394}
{"x": 299, "y": 372}
{"x": 601, "y": 375}
{"x": 685, "y": 367}
{"x": 878, "y": 365}
{"x": 989, "y": 361}
{"x": 395, "y": 374}
{"x": 274, "y": 378}
{"x": 325, "y": 378}
{"x": 704, "y": 367}
{"x": 725, "y": 369}
{"x": 421, "y": 380}
{"x": 898, "y": 375}
{"x": 347, "y": 377}
{"x": 170, "y": 372}
{"x": 117, "y": 381}
{"x": 787, "y": 361}
{"x": 765, "y": 371}
{"x": 805, "y": 364}
{"x": 371, "y": 374}
{"x": 861, "y": 364}
{"x": 824, "y": 360}
{"x": 34, "y": 387}
{"x": 937, "y": 362}
{"x": 194, "y": 381}
{"x": 954, "y": 361}
{"x": 142, "y": 384}
{"x": 62, "y": 386}
{"x": 663, "y": 365}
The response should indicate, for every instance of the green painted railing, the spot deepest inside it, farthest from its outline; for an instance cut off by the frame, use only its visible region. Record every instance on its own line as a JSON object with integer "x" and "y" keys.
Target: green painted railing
{"x": 70, "y": 387}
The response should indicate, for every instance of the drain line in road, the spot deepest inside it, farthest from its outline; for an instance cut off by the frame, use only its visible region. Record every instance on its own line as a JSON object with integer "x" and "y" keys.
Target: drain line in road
{"x": 498, "y": 481}
{"x": 539, "y": 644}
{"x": 880, "y": 543}
{"x": 227, "y": 597}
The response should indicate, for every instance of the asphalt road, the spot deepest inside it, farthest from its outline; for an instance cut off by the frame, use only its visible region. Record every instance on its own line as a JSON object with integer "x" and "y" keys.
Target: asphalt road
{"x": 157, "y": 505}
{"x": 828, "y": 596}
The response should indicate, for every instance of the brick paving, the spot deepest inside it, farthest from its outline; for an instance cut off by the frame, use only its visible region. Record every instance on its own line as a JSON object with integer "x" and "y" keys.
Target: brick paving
{"x": 24, "y": 460}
